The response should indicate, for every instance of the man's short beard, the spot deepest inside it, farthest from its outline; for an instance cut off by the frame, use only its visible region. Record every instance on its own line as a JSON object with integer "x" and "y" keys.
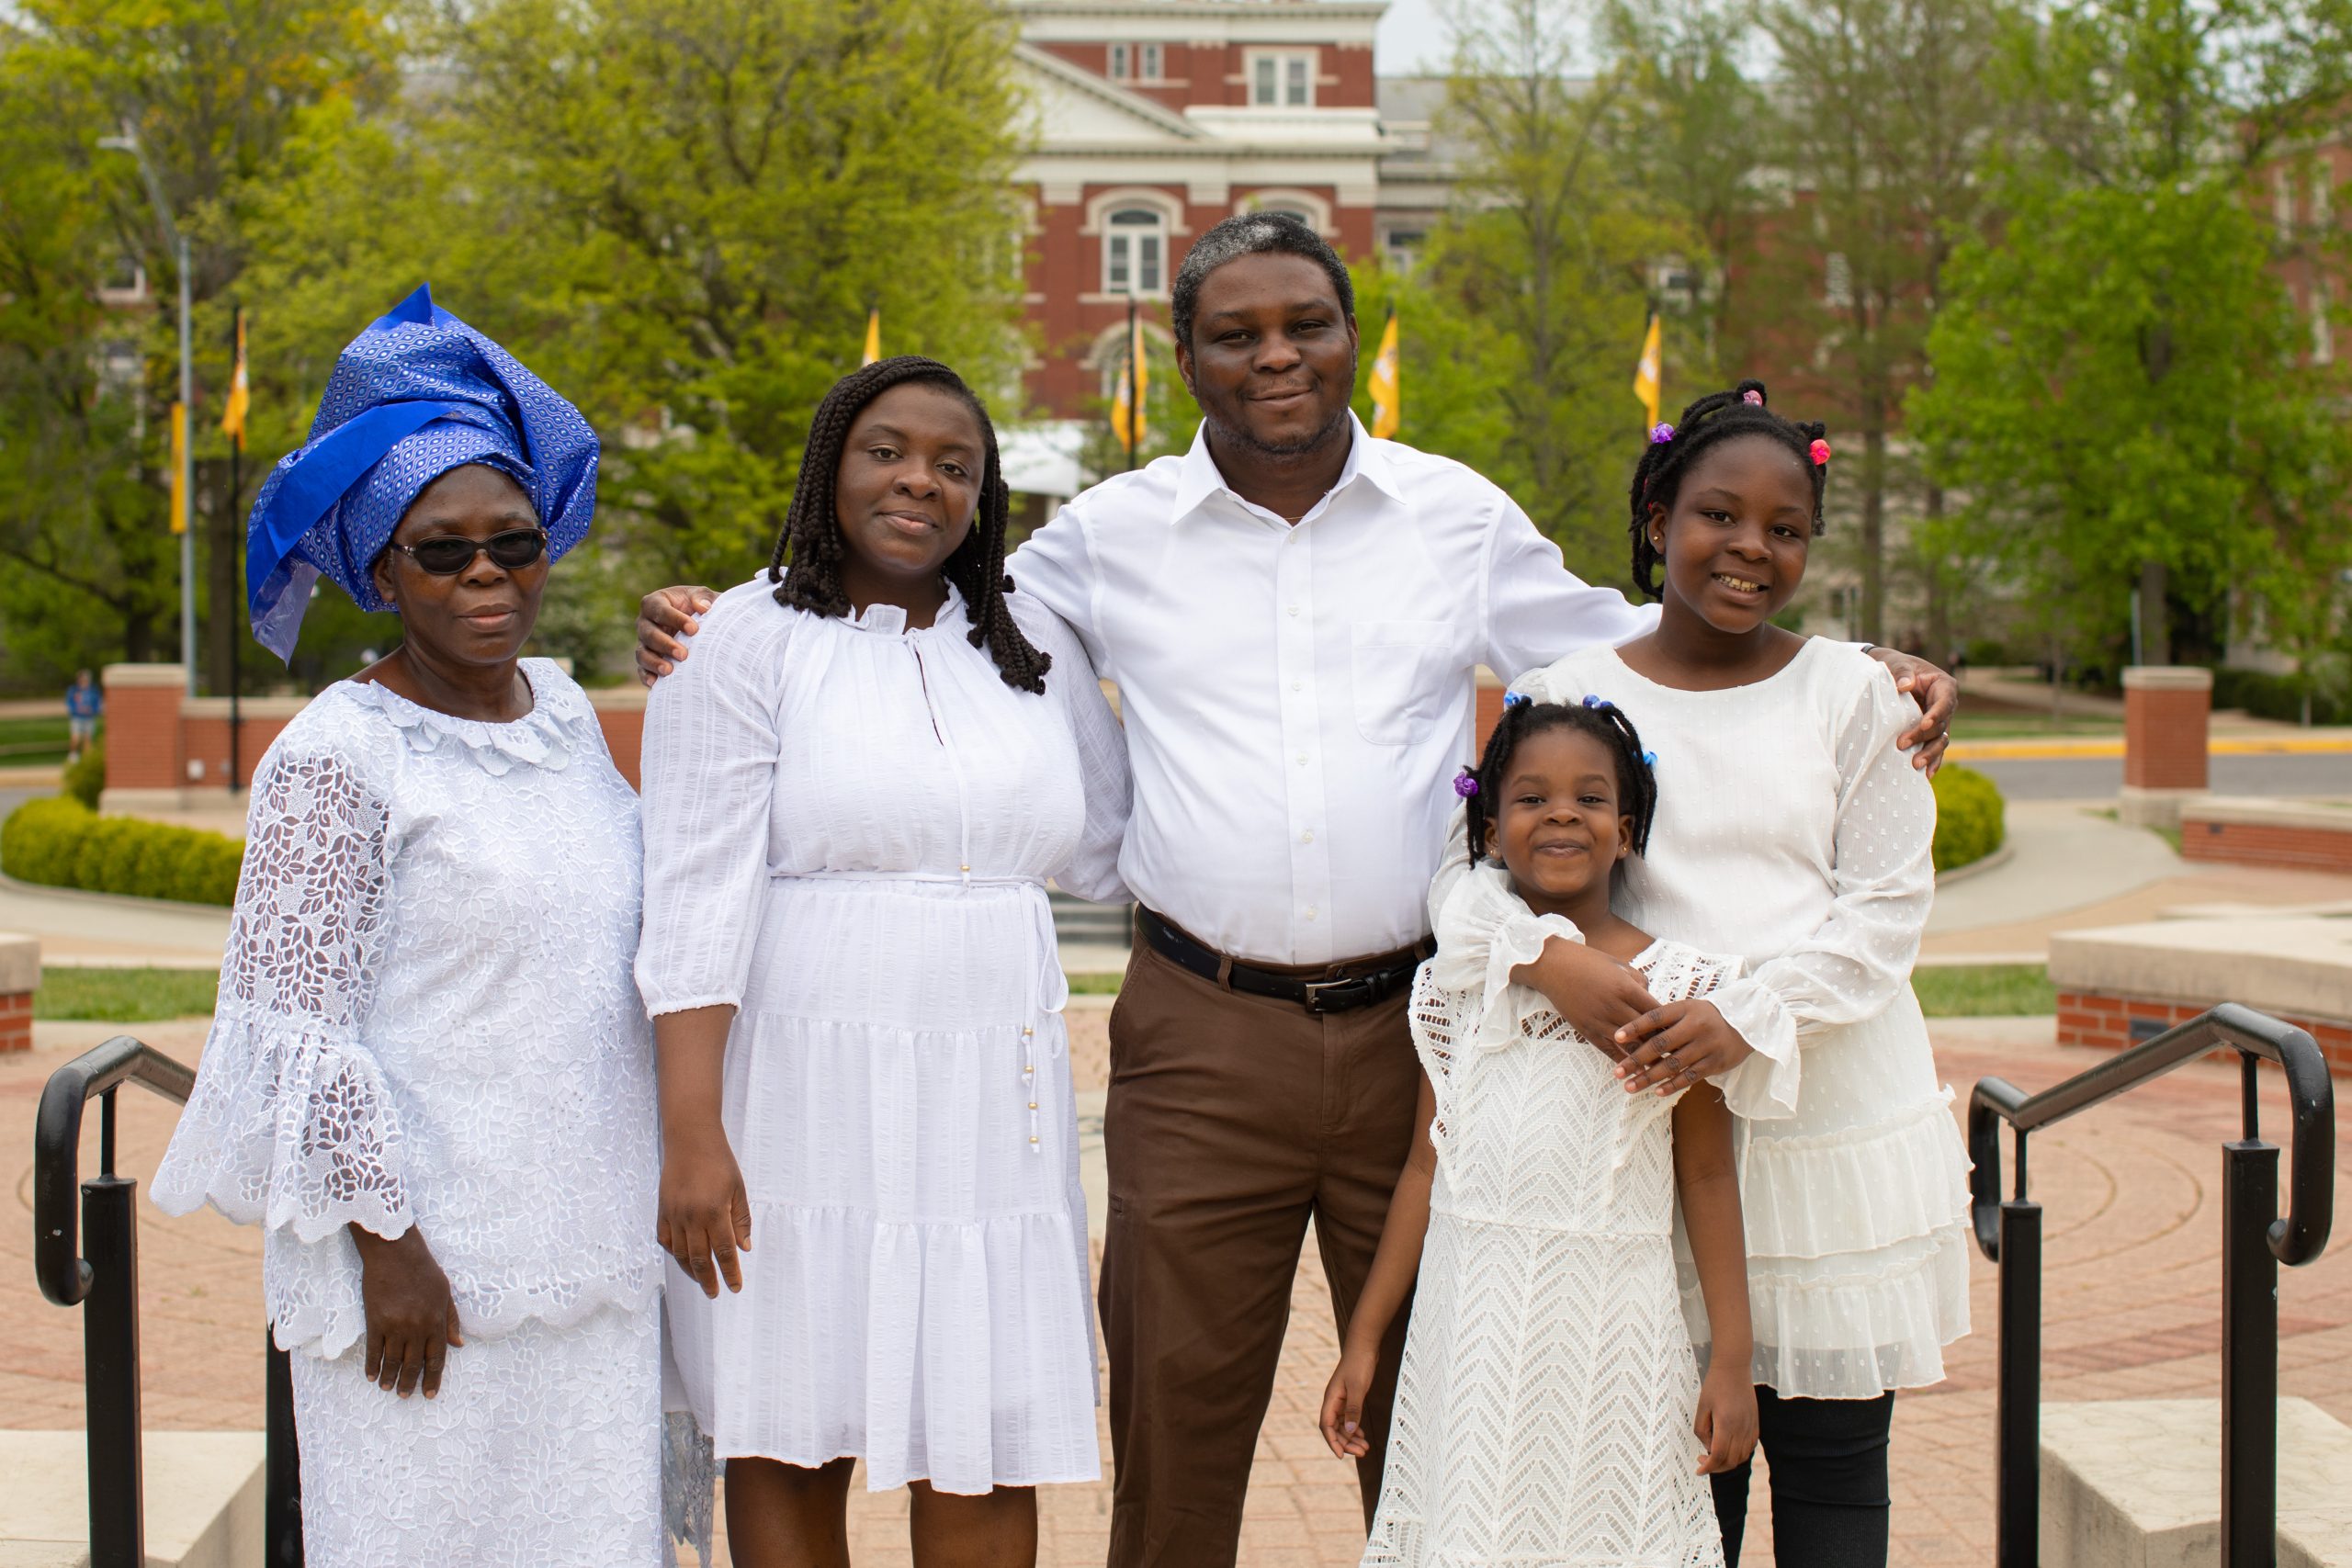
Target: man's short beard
{"x": 1241, "y": 437}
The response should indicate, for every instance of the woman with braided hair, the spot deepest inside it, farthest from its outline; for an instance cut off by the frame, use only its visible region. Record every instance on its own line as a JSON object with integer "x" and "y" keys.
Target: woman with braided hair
{"x": 1789, "y": 834}
{"x": 854, "y": 798}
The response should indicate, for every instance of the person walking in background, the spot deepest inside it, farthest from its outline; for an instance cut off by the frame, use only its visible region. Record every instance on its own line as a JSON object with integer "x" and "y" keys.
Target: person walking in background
{"x": 1789, "y": 834}
{"x": 854, "y": 798}
{"x": 429, "y": 1077}
{"x": 84, "y": 701}
{"x": 1292, "y": 612}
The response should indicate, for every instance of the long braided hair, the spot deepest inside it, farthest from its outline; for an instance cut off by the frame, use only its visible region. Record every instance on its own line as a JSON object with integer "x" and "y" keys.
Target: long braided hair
{"x": 811, "y": 538}
{"x": 1712, "y": 420}
{"x": 1481, "y": 787}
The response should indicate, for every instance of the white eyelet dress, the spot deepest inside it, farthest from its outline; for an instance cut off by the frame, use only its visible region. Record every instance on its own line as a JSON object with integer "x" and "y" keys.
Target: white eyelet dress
{"x": 428, "y": 1017}
{"x": 849, "y": 827}
{"x": 1794, "y": 834}
{"x": 1545, "y": 1411}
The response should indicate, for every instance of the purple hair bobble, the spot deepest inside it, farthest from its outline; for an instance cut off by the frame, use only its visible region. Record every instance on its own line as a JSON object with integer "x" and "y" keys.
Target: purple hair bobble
{"x": 1595, "y": 700}
{"x": 1466, "y": 784}
{"x": 1516, "y": 699}
{"x": 1661, "y": 433}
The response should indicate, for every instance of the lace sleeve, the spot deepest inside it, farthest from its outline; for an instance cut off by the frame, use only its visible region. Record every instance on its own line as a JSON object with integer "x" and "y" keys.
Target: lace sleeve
{"x": 292, "y": 1122}
{"x": 1859, "y": 958}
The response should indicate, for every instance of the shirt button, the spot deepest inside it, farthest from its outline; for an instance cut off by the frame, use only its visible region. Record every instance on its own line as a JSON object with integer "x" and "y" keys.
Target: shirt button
{"x": 1293, "y": 609}
{"x": 1310, "y": 911}
{"x": 1308, "y": 837}
{"x": 1302, "y": 759}
{"x": 1298, "y": 685}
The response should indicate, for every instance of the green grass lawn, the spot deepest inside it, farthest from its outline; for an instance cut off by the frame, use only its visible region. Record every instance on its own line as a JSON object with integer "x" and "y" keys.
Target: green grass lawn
{"x": 2009, "y": 724}
{"x": 1095, "y": 984}
{"x": 32, "y": 742}
{"x": 124, "y": 996}
{"x": 1984, "y": 991}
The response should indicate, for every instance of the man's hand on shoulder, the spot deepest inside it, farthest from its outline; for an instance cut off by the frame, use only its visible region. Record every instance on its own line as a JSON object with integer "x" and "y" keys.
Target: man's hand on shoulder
{"x": 665, "y": 618}
{"x": 1931, "y": 687}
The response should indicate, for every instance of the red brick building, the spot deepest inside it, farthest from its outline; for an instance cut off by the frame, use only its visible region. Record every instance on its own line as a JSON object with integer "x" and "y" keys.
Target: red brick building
{"x": 1156, "y": 119}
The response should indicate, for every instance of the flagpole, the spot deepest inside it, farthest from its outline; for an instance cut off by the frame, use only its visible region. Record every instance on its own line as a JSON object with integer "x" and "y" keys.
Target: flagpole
{"x": 1134, "y": 386}
{"x": 236, "y": 576}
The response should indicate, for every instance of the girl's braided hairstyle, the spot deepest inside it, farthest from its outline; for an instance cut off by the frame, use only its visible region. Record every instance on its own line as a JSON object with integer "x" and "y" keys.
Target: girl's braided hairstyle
{"x": 1604, "y": 721}
{"x": 1712, "y": 420}
{"x": 812, "y": 531}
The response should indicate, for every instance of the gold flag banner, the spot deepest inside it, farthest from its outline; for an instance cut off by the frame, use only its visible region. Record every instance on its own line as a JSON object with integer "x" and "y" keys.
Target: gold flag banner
{"x": 1645, "y": 372}
{"x": 873, "y": 336}
{"x": 232, "y": 415}
{"x": 1387, "y": 385}
{"x": 179, "y": 467}
{"x": 1128, "y": 404}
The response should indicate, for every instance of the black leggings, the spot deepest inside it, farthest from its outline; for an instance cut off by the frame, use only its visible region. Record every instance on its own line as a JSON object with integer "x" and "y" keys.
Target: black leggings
{"x": 1829, "y": 1501}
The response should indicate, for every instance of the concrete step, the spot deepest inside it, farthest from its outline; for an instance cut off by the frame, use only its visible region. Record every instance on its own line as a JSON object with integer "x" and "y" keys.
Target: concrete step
{"x": 204, "y": 1500}
{"x": 2138, "y": 1481}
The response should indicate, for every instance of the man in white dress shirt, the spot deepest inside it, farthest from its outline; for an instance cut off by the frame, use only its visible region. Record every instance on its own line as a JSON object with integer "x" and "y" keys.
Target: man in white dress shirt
{"x": 1292, "y": 612}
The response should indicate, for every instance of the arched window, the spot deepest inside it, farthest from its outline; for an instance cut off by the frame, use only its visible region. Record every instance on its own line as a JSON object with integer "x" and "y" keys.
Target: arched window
{"x": 1135, "y": 251}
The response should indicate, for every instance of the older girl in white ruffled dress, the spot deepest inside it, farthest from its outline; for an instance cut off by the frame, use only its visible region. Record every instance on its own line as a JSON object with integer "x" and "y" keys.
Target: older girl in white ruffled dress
{"x": 1793, "y": 833}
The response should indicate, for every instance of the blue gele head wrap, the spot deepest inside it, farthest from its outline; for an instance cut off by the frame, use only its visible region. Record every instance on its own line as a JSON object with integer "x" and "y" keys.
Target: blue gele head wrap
{"x": 417, "y": 394}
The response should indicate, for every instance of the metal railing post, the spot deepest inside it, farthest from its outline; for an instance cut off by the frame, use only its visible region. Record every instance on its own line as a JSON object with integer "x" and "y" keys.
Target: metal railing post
{"x": 282, "y": 1498}
{"x": 2249, "y": 1355}
{"x": 2017, "y": 1481}
{"x": 110, "y": 1360}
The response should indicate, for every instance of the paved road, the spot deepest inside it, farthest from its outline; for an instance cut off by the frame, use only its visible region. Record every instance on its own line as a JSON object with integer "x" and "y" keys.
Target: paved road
{"x": 2090, "y": 778}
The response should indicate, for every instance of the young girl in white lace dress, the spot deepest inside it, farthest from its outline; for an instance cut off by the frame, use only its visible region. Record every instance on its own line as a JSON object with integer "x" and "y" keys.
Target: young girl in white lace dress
{"x": 1550, "y": 1410}
{"x": 1793, "y": 833}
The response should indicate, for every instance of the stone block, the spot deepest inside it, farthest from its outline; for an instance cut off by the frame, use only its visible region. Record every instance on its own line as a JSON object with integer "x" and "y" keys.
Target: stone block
{"x": 19, "y": 976}
{"x": 2137, "y": 1483}
{"x": 204, "y": 1500}
{"x": 2165, "y": 712}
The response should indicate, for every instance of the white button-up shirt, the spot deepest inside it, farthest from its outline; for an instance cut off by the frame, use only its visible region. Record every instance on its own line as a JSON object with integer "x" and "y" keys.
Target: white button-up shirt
{"x": 1298, "y": 698}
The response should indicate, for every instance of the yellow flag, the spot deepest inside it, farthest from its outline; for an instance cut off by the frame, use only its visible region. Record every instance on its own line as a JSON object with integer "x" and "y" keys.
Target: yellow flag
{"x": 1387, "y": 387}
{"x": 873, "y": 336}
{"x": 1645, "y": 373}
{"x": 1128, "y": 421}
{"x": 179, "y": 467}
{"x": 233, "y": 415}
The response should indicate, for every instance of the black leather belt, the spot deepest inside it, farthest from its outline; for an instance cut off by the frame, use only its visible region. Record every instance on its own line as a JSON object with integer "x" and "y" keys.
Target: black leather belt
{"x": 1385, "y": 976}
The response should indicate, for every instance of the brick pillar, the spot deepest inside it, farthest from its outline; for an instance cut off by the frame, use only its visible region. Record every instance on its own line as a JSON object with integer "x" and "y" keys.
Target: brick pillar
{"x": 146, "y": 763}
{"x": 19, "y": 974}
{"x": 2165, "y": 713}
{"x": 620, "y": 711}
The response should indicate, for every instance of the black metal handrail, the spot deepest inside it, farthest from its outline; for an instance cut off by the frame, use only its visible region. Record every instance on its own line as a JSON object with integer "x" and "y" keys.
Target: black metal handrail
{"x": 105, "y": 1285}
{"x": 2254, "y": 1240}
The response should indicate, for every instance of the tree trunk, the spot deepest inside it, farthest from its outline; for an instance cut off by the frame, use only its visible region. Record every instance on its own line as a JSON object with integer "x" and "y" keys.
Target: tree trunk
{"x": 1873, "y": 619}
{"x": 1941, "y": 645}
{"x": 2155, "y": 630}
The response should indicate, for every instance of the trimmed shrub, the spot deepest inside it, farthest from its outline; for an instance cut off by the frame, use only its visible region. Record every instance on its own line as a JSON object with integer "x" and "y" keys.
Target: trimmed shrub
{"x": 1969, "y": 820}
{"x": 2265, "y": 695}
{"x": 85, "y": 775}
{"x": 60, "y": 842}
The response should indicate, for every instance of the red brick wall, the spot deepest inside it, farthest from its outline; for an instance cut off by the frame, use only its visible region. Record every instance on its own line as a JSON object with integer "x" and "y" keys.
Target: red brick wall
{"x": 2263, "y": 844}
{"x": 2085, "y": 1019}
{"x": 143, "y": 733}
{"x": 1353, "y": 66}
{"x": 625, "y": 733}
{"x": 16, "y": 1020}
{"x": 206, "y": 741}
{"x": 2164, "y": 737}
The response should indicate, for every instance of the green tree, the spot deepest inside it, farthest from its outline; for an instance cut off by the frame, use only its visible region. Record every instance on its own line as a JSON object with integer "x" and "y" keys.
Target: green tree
{"x": 2120, "y": 387}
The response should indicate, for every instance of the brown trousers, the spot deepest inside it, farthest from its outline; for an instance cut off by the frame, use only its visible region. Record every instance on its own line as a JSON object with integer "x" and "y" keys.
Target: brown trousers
{"x": 1232, "y": 1121}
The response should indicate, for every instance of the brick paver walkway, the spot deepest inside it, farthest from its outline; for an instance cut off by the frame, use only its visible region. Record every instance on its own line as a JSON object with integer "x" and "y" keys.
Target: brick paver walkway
{"x": 2131, "y": 1292}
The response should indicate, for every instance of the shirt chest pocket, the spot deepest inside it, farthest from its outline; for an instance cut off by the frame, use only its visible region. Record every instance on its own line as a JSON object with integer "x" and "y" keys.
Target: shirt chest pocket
{"x": 1400, "y": 670}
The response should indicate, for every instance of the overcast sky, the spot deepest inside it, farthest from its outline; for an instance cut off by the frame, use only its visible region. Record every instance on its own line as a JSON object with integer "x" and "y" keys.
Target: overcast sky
{"x": 1411, "y": 42}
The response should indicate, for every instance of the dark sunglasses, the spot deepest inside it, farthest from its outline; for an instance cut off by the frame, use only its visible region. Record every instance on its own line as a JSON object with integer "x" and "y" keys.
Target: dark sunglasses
{"x": 449, "y": 555}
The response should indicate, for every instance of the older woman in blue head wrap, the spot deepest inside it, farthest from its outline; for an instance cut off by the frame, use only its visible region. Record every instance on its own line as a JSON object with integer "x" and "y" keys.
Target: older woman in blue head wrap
{"x": 430, "y": 1076}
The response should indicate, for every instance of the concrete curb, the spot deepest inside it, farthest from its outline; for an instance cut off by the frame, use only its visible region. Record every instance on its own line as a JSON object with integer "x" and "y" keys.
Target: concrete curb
{"x": 1994, "y": 862}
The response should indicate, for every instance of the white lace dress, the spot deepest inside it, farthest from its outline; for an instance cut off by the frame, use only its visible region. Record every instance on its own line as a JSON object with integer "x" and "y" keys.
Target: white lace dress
{"x": 426, "y": 1017}
{"x": 849, "y": 827}
{"x": 1793, "y": 833}
{"x": 1544, "y": 1415}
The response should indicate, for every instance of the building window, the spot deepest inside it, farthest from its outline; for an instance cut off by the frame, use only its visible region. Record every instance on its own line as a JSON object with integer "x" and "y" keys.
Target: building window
{"x": 1135, "y": 249}
{"x": 1135, "y": 61}
{"x": 1282, "y": 80}
{"x": 2322, "y": 325}
{"x": 1403, "y": 249}
{"x": 1836, "y": 281}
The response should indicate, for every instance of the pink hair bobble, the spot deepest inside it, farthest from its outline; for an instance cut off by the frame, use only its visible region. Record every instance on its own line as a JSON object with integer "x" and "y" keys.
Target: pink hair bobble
{"x": 1820, "y": 453}
{"x": 1752, "y": 396}
{"x": 1660, "y": 435}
